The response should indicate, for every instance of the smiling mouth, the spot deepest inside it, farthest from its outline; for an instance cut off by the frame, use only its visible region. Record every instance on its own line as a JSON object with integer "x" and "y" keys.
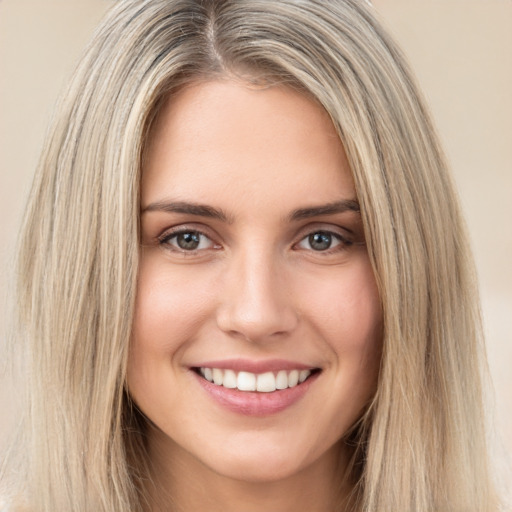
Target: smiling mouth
{"x": 267, "y": 382}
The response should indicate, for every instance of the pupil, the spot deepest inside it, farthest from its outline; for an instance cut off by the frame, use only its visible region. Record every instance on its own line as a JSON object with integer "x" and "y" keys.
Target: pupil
{"x": 188, "y": 241}
{"x": 320, "y": 241}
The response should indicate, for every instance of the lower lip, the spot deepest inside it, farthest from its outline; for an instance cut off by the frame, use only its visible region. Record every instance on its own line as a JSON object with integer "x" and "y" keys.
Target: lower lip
{"x": 253, "y": 403}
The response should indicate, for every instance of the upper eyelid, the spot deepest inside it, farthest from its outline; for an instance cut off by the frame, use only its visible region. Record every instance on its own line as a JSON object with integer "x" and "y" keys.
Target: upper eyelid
{"x": 342, "y": 239}
{"x": 184, "y": 228}
{"x": 334, "y": 229}
{"x": 343, "y": 232}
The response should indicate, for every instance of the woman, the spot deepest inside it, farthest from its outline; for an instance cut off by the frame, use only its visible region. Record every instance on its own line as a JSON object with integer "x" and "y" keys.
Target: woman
{"x": 244, "y": 279}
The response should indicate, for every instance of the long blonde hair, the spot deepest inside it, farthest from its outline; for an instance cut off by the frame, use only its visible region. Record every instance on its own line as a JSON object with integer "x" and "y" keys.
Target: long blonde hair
{"x": 421, "y": 446}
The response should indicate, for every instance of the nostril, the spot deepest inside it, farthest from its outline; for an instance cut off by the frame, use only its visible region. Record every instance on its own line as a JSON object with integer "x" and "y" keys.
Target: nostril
{"x": 257, "y": 326}
{"x": 255, "y": 304}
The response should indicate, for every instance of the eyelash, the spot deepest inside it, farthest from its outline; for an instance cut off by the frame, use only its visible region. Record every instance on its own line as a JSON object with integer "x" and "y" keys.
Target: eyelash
{"x": 165, "y": 240}
{"x": 341, "y": 243}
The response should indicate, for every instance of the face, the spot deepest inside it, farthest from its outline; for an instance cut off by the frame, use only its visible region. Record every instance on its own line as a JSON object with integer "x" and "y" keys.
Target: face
{"x": 257, "y": 328}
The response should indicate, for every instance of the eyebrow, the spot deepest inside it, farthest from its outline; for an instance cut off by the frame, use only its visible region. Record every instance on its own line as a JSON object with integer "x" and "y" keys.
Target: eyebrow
{"x": 201, "y": 210}
{"x": 327, "y": 209}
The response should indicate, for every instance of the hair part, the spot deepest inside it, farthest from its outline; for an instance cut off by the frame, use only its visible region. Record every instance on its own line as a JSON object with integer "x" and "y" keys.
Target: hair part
{"x": 421, "y": 444}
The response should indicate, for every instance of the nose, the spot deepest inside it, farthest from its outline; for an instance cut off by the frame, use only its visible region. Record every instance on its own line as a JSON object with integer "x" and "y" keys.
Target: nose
{"x": 255, "y": 303}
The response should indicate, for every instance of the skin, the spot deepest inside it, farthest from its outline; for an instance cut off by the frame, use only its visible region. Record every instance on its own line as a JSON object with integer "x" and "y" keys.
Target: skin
{"x": 255, "y": 288}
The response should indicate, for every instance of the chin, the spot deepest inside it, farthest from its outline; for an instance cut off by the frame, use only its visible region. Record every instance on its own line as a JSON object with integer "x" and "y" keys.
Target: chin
{"x": 260, "y": 469}
{"x": 270, "y": 463}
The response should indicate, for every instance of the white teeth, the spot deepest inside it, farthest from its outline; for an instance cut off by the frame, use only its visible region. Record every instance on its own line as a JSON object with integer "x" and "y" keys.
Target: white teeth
{"x": 293, "y": 378}
{"x": 282, "y": 380}
{"x": 218, "y": 376}
{"x": 229, "y": 379}
{"x": 246, "y": 381}
{"x": 266, "y": 382}
{"x": 303, "y": 375}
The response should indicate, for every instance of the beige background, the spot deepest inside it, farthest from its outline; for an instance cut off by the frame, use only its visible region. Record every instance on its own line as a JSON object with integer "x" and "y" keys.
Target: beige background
{"x": 461, "y": 51}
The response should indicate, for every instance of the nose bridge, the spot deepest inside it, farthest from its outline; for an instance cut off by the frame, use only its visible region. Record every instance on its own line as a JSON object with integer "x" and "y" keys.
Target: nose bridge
{"x": 255, "y": 304}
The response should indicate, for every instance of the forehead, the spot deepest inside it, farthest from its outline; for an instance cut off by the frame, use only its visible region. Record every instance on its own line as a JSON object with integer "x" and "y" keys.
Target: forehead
{"x": 267, "y": 143}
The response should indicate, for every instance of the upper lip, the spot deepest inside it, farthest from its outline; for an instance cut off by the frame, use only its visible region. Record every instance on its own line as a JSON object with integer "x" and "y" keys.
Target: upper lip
{"x": 252, "y": 366}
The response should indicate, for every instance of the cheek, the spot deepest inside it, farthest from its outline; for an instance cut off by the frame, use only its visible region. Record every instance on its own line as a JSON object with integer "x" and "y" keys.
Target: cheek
{"x": 168, "y": 305}
{"x": 347, "y": 312}
{"x": 168, "y": 310}
{"x": 347, "y": 309}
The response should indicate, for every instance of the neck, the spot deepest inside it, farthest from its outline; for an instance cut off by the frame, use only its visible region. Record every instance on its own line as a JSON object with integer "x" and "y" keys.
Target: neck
{"x": 182, "y": 483}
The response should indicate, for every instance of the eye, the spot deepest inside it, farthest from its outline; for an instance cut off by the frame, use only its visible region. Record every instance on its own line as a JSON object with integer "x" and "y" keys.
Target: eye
{"x": 187, "y": 241}
{"x": 323, "y": 241}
